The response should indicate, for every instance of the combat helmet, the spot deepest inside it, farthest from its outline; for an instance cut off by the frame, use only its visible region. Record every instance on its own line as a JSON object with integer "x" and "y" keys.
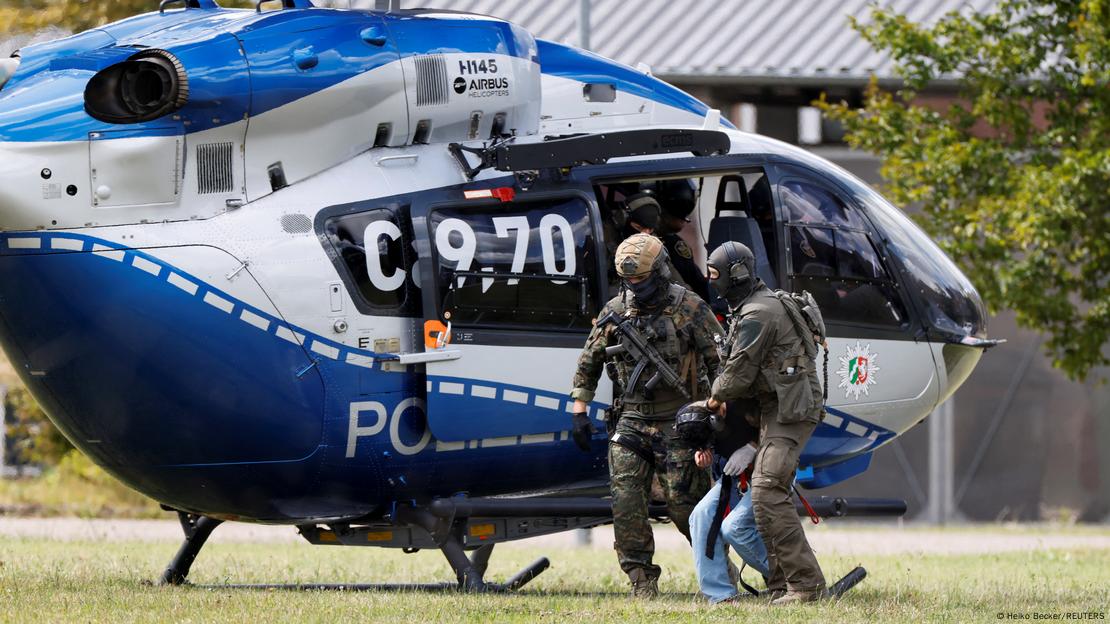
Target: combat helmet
{"x": 677, "y": 198}
{"x": 639, "y": 255}
{"x": 643, "y": 209}
{"x": 735, "y": 265}
{"x": 693, "y": 424}
{"x": 645, "y": 270}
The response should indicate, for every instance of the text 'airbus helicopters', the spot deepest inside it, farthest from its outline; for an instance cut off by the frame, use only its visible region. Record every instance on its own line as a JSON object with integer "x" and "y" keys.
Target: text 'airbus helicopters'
{"x": 333, "y": 268}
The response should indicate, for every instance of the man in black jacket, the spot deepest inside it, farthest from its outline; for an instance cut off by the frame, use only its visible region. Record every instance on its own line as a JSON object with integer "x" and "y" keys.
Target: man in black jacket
{"x": 724, "y": 515}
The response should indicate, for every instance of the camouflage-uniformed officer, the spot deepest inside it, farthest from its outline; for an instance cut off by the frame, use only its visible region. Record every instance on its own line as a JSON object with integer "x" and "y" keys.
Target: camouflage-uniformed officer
{"x": 645, "y": 442}
{"x": 766, "y": 358}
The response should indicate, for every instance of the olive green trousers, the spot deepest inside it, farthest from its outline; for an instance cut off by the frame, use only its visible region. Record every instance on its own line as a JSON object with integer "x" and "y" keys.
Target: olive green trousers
{"x": 789, "y": 556}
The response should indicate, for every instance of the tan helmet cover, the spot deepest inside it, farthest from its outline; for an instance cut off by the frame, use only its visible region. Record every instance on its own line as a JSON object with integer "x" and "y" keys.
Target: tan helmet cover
{"x": 638, "y": 255}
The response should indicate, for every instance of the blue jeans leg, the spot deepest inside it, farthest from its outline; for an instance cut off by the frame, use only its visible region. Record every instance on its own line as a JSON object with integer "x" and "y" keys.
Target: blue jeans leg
{"x": 712, "y": 573}
{"x": 740, "y": 532}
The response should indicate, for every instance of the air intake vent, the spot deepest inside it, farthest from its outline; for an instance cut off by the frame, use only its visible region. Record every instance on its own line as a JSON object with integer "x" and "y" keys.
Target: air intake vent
{"x": 296, "y": 223}
{"x": 214, "y": 168}
{"x": 431, "y": 80}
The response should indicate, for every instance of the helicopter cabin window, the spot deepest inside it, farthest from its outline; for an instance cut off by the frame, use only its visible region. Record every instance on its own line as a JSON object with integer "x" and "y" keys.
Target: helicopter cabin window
{"x": 745, "y": 213}
{"x": 833, "y": 257}
{"x": 382, "y": 278}
{"x": 516, "y": 265}
{"x": 807, "y": 203}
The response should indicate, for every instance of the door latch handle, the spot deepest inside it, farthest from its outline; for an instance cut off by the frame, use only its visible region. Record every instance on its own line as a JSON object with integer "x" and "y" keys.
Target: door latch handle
{"x": 444, "y": 337}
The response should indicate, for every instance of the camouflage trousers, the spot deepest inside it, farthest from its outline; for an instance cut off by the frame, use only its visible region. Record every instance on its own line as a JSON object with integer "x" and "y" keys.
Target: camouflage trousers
{"x": 630, "y": 476}
{"x": 789, "y": 557}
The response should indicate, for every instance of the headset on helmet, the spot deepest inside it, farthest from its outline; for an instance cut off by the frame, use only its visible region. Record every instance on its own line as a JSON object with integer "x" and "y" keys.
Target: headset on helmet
{"x": 734, "y": 264}
{"x": 643, "y": 209}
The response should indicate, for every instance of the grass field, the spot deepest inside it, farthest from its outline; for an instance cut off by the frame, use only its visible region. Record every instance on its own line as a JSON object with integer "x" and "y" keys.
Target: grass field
{"x": 109, "y": 582}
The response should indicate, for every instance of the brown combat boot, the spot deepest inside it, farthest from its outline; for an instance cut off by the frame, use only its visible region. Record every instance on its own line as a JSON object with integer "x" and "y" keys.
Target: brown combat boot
{"x": 643, "y": 586}
{"x": 800, "y": 595}
{"x": 772, "y": 594}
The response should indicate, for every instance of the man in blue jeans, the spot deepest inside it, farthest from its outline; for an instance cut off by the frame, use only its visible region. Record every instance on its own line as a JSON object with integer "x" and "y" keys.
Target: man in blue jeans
{"x": 731, "y": 440}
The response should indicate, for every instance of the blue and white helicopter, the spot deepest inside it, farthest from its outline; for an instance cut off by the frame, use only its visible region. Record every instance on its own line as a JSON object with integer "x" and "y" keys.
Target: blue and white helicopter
{"x": 333, "y": 268}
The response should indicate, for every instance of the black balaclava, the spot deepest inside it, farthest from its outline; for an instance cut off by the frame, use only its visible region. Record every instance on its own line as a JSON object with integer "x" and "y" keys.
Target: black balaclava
{"x": 736, "y": 279}
{"x": 652, "y": 292}
{"x": 642, "y": 257}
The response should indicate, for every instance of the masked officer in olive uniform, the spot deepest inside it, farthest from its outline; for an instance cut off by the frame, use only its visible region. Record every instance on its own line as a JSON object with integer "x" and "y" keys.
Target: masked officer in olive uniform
{"x": 766, "y": 358}
{"x": 682, "y": 329}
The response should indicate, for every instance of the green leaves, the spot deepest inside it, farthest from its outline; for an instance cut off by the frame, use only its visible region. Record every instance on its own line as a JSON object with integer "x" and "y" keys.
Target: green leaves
{"x": 1013, "y": 175}
{"x": 37, "y": 441}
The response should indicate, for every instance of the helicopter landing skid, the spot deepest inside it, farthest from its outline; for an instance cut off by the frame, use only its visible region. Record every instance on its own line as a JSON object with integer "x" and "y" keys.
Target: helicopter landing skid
{"x": 469, "y": 570}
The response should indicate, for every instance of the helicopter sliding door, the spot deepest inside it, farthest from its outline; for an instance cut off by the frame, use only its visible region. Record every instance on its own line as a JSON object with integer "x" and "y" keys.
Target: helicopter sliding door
{"x": 511, "y": 285}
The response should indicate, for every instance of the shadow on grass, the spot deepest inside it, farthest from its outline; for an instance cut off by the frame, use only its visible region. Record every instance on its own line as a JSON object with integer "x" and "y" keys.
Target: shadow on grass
{"x": 866, "y": 596}
{"x": 416, "y": 588}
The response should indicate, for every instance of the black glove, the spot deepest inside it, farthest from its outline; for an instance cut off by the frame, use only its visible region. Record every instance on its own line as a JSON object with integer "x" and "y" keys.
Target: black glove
{"x": 582, "y": 430}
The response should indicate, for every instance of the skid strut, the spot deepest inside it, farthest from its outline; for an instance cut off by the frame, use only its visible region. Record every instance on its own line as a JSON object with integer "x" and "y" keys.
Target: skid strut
{"x": 197, "y": 529}
{"x": 469, "y": 571}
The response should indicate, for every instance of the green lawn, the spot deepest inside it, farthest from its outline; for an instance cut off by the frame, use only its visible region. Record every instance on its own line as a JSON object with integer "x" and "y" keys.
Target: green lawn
{"x": 109, "y": 582}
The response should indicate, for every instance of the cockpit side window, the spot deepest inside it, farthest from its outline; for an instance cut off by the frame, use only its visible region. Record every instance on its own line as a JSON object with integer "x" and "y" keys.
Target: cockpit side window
{"x": 375, "y": 247}
{"x": 808, "y": 203}
{"x": 524, "y": 265}
{"x": 833, "y": 256}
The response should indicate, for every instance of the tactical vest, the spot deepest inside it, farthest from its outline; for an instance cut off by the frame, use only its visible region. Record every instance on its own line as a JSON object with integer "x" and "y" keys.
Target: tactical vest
{"x": 676, "y": 344}
{"x": 789, "y": 367}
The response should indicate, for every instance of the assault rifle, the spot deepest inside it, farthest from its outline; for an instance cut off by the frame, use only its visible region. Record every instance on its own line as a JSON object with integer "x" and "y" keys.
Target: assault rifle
{"x": 639, "y": 348}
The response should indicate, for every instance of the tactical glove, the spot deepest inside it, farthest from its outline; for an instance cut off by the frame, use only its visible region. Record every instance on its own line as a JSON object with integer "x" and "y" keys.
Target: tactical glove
{"x": 582, "y": 430}
{"x": 740, "y": 460}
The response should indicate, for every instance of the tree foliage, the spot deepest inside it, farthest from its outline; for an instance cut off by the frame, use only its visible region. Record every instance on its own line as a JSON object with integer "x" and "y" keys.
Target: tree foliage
{"x": 76, "y": 15}
{"x": 35, "y": 439}
{"x": 1013, "y": 177}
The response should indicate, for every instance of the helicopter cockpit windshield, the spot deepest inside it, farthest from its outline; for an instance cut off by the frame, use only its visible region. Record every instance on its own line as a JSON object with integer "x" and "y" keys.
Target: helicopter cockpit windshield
{"x": 950, "y": 303}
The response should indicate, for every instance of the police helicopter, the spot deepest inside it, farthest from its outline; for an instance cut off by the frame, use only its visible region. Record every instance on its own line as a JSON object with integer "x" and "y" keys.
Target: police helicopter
{"x": 333, "y": 268}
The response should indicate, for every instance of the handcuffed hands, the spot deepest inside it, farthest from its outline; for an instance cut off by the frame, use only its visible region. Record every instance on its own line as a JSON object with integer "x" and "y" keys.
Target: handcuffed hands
{"x": 703, "y": 458}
